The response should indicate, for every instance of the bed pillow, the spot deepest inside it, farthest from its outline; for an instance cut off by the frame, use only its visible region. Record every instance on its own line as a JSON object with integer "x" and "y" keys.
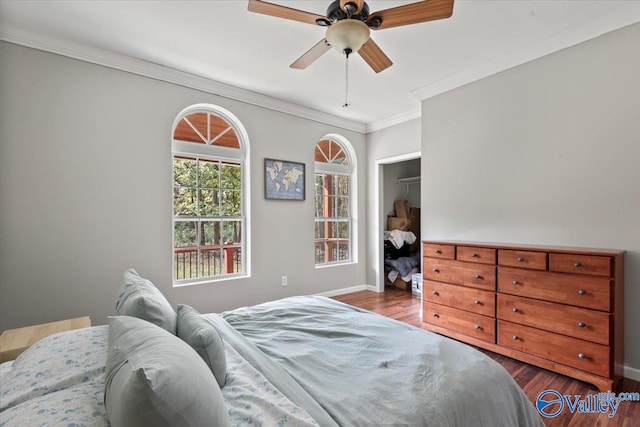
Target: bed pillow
{"x": 153, "y": 378}
{"x": 205, "y": 340}
{"x": 139, "y": 298}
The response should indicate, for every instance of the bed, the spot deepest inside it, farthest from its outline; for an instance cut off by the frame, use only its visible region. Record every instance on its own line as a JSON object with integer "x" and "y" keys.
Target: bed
{"x": 298, "y": 361}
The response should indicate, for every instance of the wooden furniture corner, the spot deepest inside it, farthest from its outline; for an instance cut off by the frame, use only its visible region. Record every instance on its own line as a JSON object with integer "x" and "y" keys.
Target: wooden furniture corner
{"x": 14, "y": 341}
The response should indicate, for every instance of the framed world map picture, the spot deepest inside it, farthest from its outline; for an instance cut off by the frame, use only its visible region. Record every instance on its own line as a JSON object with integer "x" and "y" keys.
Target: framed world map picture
{"x": 283, "y": 180}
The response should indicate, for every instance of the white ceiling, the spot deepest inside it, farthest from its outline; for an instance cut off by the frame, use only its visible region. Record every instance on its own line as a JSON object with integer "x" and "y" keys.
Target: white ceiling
{"x": 222, "y": 41}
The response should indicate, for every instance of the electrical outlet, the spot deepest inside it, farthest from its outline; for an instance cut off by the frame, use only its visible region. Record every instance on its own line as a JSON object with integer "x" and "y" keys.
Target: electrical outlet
{"x": 284, "y": 280}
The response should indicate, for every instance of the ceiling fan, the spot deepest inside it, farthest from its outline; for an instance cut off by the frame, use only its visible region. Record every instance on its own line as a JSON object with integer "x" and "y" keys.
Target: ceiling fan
{"x": 348, "y": 23}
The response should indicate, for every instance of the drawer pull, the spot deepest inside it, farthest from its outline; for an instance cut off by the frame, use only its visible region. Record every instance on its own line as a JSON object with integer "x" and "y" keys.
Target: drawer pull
{"x": 581, "y": 292}
{"x": 581, "y": 325}
{"x": 476, "y": 302}
{"x": 581, "y": 355}
{"x": 515, "y": 338}
{"x": 478, "y": 327}
{"x": 577, "y": 264}
{"x": 520, "y": 259}
{"x": 437, "y": 251}
{"x": 515, "y": 309}
{"x": 515, "y": 283}
{"x": 474, "y": 255}
{"x": 435, "y": 270}
{"x": 434, "y": 292}
{"x": 477, "y": 276}
{"x": 436, "y": 315}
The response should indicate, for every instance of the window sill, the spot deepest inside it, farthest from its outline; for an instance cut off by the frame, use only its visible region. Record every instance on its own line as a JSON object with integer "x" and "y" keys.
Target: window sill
{"x": 335, "y": 264}
{"x": 211, "y": 280}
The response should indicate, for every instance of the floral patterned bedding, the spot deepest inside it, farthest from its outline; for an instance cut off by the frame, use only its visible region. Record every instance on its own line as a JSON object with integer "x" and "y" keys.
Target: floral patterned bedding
{"x": 60, "y": 382}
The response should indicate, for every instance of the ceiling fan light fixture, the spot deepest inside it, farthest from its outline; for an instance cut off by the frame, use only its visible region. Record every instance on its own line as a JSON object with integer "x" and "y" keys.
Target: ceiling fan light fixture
{"x": 348, "y": 35}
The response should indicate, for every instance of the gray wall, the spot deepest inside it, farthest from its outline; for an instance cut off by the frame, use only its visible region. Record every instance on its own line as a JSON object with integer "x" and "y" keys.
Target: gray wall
{"x": 546, "y": 153}
{"x": 85, "y": 193}
{"x": 393, "y": 191}
{"x": 383, "y": 147}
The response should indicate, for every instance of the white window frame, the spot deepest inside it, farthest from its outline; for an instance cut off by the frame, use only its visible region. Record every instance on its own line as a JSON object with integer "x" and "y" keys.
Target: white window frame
{"x": 223, "y": 154}
{"x": 349, "y": 170}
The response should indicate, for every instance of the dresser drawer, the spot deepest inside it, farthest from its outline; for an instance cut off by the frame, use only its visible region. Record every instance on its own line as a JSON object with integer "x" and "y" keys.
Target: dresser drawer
{"x": 441, "y": 270}
{"x": 522, "y": 259}
{"x": 460, "y": 273}
{"x": 581, "y": 291}
{"x": 463, "y": 298}
{"x": 435, "y": 250}
{"x": 474, "y": 254}
{"x": 471, "y": 324}
{"x": 573, "y": 352}
{"x": 590, "y": 325}
{"x": 581, "y": 264}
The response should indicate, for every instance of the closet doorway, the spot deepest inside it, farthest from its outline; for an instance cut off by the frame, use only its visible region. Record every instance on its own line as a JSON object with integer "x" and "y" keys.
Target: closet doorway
{"x": 398, "y": 179}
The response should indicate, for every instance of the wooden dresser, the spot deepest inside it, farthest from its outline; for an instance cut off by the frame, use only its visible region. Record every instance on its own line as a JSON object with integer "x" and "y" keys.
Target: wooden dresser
{"x": 554, "y": 307}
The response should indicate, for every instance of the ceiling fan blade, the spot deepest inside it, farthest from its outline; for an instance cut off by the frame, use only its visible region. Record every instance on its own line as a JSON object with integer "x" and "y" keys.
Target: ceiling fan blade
{"x": 311, "y": 55}
{"x": 413, "y": 13}
{"x": 278, "y": 11}
{"x": 374, "y": 56}
{"x": 358, "y": 4}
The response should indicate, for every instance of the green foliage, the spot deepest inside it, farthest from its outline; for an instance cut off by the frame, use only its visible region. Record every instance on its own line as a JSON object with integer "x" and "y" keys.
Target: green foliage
{"x": 185, "y": 234}
{"x": 332, "y": 196}
{"x": 205, "y": 194}
{"x": 206, "y": 188}
{"x": 332, "y": 227}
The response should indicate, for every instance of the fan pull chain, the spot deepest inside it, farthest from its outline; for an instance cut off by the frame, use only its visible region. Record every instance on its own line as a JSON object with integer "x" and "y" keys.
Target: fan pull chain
{"x": 346, "y": 82}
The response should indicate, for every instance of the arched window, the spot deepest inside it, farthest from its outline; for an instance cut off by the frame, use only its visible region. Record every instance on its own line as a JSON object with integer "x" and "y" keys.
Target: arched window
{"x": 210, "y": 185}
{"x": 334, "y": 201}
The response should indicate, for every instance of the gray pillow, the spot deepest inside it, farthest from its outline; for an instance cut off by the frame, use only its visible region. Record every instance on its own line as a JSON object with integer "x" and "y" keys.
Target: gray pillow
{"x": 205, "y": 340}
{"x": 155, "y": 379}
{"x": 139, "y": 298}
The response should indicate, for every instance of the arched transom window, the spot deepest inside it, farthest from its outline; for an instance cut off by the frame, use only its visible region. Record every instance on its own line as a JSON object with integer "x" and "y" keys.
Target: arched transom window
{"x": 209, "y": 186}
{"x": 205, "y": 127}
{"x": 333, "y": 202}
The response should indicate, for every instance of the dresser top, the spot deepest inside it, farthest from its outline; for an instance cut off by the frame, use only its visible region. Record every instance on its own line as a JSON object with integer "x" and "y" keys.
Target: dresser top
{"x": 540, "y": 248}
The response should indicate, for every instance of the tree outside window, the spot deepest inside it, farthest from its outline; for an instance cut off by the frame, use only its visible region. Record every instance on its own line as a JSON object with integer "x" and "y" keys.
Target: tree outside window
{"x": 333, "y": 211}
{"x": 208, "y": 205}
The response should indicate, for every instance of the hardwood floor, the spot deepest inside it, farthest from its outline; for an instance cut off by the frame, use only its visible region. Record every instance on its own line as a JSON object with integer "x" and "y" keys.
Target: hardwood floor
{"x": 400, "y": 305}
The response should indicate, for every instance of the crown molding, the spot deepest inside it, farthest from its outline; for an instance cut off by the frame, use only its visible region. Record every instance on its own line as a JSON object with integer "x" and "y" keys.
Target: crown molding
{"x": 394, "y": 120}
{"x": 20, "y": 36}
{"x": 588, "y": 30}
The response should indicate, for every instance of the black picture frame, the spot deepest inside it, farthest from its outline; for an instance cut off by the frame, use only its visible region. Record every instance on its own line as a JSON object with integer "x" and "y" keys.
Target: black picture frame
{"x": 284, "y": 180}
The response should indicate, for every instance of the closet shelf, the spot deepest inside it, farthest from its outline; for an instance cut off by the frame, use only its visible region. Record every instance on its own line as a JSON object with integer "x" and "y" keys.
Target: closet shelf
{"x": 406, "y": 182}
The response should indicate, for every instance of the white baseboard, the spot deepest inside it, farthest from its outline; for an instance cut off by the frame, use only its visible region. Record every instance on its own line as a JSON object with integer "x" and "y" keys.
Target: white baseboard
{"x": 631, "y": 373}
{"x": 348, "y": 290}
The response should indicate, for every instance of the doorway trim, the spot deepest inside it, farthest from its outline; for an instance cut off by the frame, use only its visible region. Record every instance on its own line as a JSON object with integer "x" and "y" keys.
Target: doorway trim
{"x": 378, "y": 265}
